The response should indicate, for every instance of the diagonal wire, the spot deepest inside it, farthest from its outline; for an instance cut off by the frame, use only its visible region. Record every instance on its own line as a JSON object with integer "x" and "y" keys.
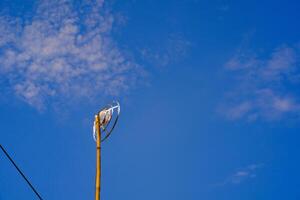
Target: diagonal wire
{"x": 21, "y": 173}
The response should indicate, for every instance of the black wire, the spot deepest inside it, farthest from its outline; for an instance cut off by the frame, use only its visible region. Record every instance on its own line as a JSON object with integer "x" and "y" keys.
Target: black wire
{"x": 11, "y": 160}
{"x": 108, "y": 134}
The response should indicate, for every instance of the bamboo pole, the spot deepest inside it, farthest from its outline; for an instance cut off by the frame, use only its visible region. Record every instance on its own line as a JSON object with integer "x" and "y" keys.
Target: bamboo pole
{"x": 98, "y": 158}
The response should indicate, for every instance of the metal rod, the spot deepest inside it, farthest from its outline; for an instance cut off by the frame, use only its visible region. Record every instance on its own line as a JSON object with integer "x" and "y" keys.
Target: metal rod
{"x": 22, "y": 174}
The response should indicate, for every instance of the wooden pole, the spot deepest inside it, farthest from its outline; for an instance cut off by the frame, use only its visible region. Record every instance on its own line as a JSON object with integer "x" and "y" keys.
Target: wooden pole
{"x": 98, "y": 158}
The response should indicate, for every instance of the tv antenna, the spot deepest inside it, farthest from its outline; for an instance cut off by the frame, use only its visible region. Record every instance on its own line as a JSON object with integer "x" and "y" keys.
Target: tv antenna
{"x": 104, "y": 123}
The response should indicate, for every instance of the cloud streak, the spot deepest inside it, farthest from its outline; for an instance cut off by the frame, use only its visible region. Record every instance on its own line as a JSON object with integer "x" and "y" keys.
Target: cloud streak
{"x": 63, "y": 51}
{"x": 242, "y": 175}
{"x": 266, "y": 86}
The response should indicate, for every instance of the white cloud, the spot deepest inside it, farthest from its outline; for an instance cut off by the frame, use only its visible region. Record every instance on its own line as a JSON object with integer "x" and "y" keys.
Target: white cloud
{"x": 64, "y": 51}
{"x": 242, "y": 175}
{"x": 169, "y": 51}
{"x": 266, "y": 87}
{"x": 238, "y": 111}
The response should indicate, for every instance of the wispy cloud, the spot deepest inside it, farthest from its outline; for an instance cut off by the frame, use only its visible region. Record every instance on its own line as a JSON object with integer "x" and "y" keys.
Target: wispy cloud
{"x": 267, "y": 86}
{"x": 63, "y": 51}
{"x": 170, "y": 50}
{"x": 242, "y": 175}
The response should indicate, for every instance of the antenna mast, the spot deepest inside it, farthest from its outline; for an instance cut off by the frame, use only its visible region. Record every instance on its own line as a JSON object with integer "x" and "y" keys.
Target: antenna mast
{"x": 102, "y": 121}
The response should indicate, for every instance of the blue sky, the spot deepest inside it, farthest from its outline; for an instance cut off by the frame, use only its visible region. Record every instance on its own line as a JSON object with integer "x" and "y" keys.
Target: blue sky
{"x": 209, "y": 93}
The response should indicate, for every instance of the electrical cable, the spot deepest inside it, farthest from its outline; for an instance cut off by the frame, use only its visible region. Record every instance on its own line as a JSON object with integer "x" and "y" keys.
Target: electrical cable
{"x": 21, "y": 173}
